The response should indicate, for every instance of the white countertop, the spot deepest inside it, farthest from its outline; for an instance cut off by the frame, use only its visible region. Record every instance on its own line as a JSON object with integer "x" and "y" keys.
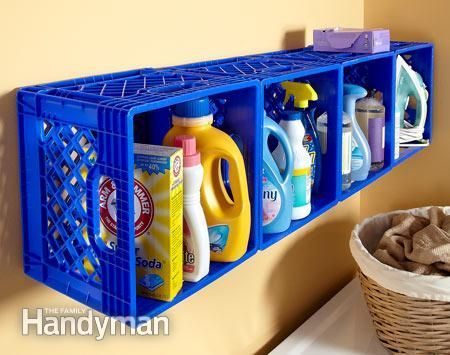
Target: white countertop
{"x": 342, "y": 326}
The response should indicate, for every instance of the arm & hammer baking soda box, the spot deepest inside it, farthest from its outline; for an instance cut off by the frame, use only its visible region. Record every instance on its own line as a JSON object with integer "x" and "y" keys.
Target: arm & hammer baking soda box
{"x": 158, "y": 219}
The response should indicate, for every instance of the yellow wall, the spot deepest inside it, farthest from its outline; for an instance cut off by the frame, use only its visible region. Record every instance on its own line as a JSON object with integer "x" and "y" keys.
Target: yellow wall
{"x": 423, "y": 180}
{"x": 254, "y": 306}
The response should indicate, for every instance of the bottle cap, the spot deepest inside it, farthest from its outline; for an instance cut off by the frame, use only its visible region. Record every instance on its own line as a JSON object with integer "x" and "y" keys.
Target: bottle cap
{"x": 193, "y": 109}
{"x": 189, "y": 145}
{"x": 355, "y": 90}
{"x": 291, "y": 115}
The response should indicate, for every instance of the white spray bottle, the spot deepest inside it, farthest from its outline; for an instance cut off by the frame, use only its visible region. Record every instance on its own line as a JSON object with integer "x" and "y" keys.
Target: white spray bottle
{"x": 195, "y": 231}
{"x": 291, "y": 122}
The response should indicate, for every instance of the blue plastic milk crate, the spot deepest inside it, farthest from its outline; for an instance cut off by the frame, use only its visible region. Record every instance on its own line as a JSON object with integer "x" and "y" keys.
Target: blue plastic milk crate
{"x": 75, "y": 131}
{"x": 421, "y": 57}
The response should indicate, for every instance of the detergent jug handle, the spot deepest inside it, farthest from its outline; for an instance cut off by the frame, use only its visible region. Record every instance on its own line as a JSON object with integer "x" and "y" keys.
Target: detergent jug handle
{"x": 282, "y": 137}
{"x": 238, "y": 178}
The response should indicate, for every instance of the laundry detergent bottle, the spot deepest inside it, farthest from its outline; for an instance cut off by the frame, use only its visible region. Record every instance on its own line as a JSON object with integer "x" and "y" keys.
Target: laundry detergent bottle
{"x": 291, "y": 122}
{"x": 361, "y": 157}
{"x": 297, "y": 97}
{"x": 195, "y": 230}
{"x": 228, "y": 218}
{"x": 277, "y": 186}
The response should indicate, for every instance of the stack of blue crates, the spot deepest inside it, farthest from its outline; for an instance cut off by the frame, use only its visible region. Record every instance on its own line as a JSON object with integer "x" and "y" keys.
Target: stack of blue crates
{"x": 74, "y": 132}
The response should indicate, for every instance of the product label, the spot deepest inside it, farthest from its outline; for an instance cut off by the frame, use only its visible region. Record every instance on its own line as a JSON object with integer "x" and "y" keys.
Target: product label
{"x": 143, "y": 209}
{"x": 176, "y": 166}
{"x": 301, "y": 186}
{"x": 357, "y": 158}
{"x": 346, "y": 152}
{"x": 376, "y": 130}
{"x": 218, "y": 237}
{"x": 308, "y": 143}
{"x": 271, "y": 201}
{"x": 188, "y": 250}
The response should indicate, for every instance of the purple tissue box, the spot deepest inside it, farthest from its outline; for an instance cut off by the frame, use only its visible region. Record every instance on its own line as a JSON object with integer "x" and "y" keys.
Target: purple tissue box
{"x": 352, "y": 40}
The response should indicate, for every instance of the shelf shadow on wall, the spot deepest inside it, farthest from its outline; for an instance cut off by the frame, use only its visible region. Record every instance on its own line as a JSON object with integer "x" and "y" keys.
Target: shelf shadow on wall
{"x": 294, "y": 39}
{"x": 12, "y": 277}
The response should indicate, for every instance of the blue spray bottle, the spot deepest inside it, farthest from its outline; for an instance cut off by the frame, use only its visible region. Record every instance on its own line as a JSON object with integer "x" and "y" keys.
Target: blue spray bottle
{"x": 277, "y": 186}
{"x": 361, "y": 157}
{"x": 297, "y": 97}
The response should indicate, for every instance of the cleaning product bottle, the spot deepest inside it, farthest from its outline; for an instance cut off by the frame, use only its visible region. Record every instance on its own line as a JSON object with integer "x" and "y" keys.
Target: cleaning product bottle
{"x": 195, "y": 229}
{"x": 360, "y": 147}
{"x": 277, "y": 187}
{"x": 297, "y": 97}
{"x": 322, "y": 128}
{"x": 370, "y": 117}
{"x": 291, "y": 122}
{"x": 228, "y": 219}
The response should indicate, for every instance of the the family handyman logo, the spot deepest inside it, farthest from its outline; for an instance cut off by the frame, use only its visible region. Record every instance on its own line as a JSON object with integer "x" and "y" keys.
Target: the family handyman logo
{"x": 82, "y": 321}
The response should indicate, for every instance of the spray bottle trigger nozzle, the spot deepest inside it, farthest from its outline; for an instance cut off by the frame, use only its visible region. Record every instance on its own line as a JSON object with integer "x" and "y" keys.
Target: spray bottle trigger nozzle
{"x": 302, "y": 93}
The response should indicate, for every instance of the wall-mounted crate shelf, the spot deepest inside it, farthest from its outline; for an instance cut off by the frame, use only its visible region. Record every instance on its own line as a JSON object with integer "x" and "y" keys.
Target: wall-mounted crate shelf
{"x": 75, "y": 131}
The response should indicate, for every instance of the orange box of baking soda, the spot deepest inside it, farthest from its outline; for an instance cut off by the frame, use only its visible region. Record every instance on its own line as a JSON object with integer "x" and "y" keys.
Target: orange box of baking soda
{"x": 158, "y": 219}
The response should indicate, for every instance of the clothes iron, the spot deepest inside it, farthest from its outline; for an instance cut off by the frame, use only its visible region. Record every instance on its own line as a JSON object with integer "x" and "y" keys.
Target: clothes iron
{"x": 409, "y": 84}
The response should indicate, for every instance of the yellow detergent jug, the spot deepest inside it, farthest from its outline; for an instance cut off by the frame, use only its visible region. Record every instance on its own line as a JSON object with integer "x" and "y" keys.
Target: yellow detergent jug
{"x": 228, "y": 218}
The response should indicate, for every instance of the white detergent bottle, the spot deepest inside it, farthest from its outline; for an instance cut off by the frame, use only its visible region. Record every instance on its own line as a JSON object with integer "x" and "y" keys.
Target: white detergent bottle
{"x": 291, "y": 122}
{"x": 195, "y": 230}
{"x": 361, "y": 156}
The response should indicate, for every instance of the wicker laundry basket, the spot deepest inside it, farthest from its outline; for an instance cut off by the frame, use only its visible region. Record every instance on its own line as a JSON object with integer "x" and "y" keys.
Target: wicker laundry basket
{"x": 411, "y": 313}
